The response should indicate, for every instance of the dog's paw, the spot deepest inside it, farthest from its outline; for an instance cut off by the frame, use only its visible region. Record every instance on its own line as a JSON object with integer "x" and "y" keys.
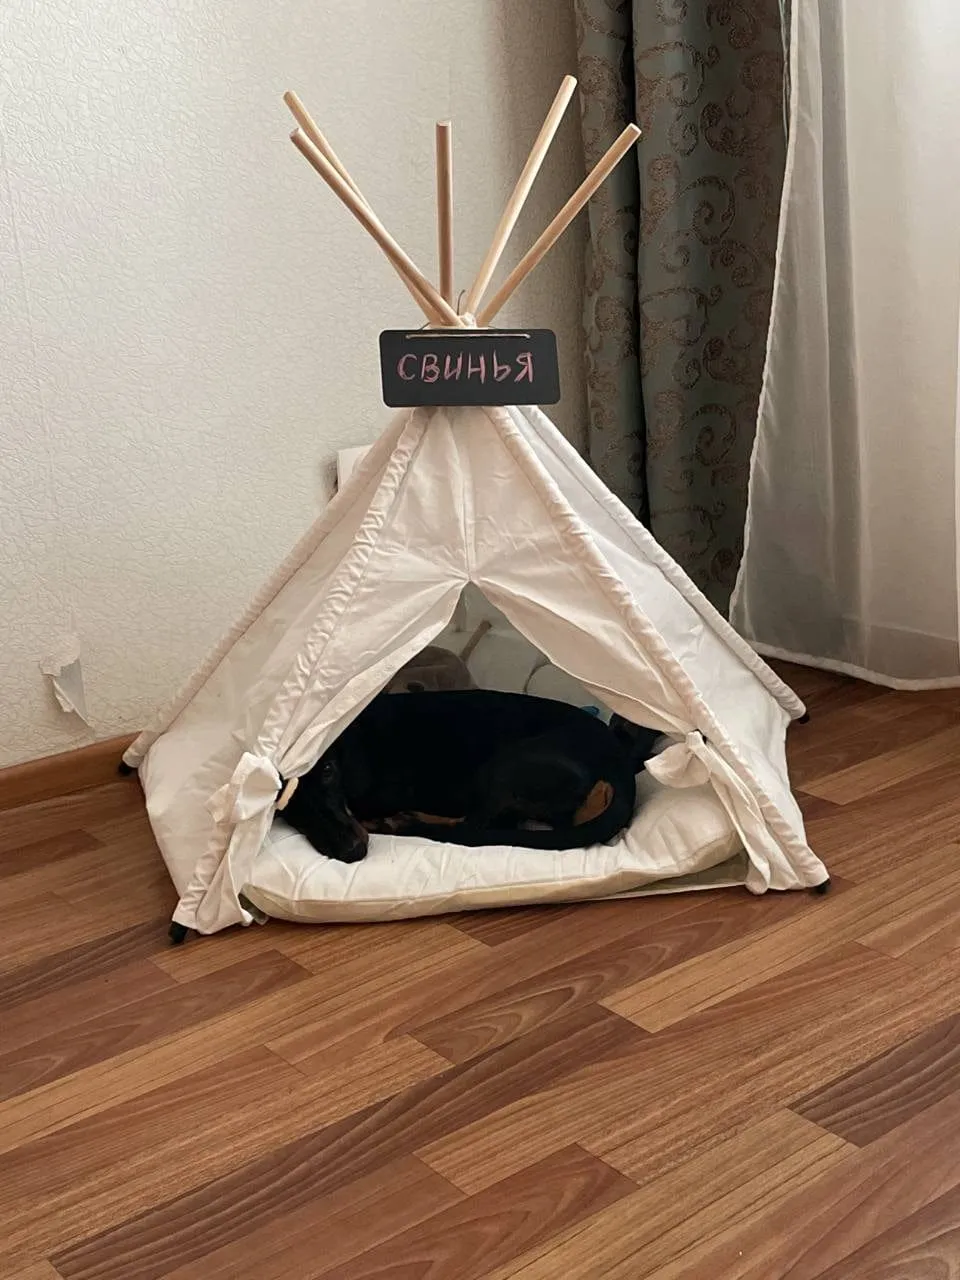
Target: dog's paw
{"x": 432, "y": 819}
{"x": 388, "y": 826}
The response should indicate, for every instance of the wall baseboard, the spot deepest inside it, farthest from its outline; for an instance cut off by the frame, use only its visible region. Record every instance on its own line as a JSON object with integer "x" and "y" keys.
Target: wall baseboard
{"x": 62, "y": 774}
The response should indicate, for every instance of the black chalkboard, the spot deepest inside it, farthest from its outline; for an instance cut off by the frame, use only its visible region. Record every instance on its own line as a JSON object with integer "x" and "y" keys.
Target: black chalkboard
{"x": 468, "y": 366}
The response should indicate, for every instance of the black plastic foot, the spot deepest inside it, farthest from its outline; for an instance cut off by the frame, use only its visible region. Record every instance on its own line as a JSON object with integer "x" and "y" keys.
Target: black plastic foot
{"x": 822, "y": 888}
{"x": 125, "y": 769}
{"x": 177, "y": 934}
{"x": 805, "y": 718}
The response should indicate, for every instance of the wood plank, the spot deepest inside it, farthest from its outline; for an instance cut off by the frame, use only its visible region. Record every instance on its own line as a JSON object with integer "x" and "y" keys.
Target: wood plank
{"x": 498, "y": 926}
{"x": 762, "y": 1035}
{"x": 111, "y": 1166}
{"x": 35, "y": 1271}
{"x": 821, "y": 691}
{"x": 813, "y": 807}
{"x": 357, "y": 1012}
{"x": 880, "y": 772}
{"x": 666, "y": 998}
{"x": 346, "y": 953}
{"x": 885, "y": 1092}
{"x": 466, "y": 1240}
{"x": 330, "y": 1231}
{"x": 705, "y": 926}
{"x": 203, "y": 956}
{"x": 67, "y": 1007}
{"x": 787, "y": 1174}
{"x": 113, "y": 890}
{"x": 41, "y": 853}
{"x": 40, "y": 927}
{"x": 858, "y": 737}
{"x": 726, "y": 1183}
{"x": 157, "y": 1016}
{"x": 419, "y": 1062}
{"x": 135, "y": 1071}
{"x": 297, "y": 1051}
{"x": 229, "y": 1207}
{"x": 822, "y": 1224}
{"x": 107, "y": 1167}
{"x": 115, "y": 824}
{"x": 925, "y": 1245}
{"x": 70, "y": 812}
{"x": 94, "y": 959}
{"x": 65, "y": 773}
{"x": 806, "y": 680}
{"x": 872, "y": 836}
{"x": 580, "y": 928}
{"x": 826, "y": 1033}
{"x": 893, "y": 702}
{"x": 923, "y": 934}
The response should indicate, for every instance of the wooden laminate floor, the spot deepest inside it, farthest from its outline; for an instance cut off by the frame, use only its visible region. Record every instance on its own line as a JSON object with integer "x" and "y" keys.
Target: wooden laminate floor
{"x": 720, "y": 1087}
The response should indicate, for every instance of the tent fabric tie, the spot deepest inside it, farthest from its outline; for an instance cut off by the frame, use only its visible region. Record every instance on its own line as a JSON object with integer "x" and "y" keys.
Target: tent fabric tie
{"x": 253, "y": 788}
{"x": 693, "y": 763}
{"x": 681, "y": 765}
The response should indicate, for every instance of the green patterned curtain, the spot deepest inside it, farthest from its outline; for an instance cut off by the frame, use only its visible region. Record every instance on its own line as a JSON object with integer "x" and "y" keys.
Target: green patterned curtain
{"x": 682, "y": 248}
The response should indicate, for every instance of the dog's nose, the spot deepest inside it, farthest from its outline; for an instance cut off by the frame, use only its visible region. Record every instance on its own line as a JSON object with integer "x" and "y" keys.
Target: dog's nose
{"x": 357, "y": 852}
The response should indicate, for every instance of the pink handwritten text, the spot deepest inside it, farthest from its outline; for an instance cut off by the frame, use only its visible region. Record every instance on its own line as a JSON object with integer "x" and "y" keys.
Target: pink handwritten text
{"x": 475, "y": 368}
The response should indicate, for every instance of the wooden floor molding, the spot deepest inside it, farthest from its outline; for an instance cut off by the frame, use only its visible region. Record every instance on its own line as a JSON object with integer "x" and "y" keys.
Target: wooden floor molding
{"x": 63, "y": 774}
{"x": 706, "y": 1087}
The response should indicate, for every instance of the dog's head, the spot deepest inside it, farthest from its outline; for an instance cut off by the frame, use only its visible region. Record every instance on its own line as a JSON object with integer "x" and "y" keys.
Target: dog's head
{"x": 332, "y": 828}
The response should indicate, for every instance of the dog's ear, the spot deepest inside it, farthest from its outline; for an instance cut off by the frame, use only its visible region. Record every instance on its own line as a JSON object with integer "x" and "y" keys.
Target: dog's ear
{"x": 356, "y": 778}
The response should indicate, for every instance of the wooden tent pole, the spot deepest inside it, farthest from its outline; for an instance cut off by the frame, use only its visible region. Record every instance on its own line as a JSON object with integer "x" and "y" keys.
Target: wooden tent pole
{"x": 372, "y": 224}
{"x": 508, "y": 219}
{"x": 310, "y": 127}
{"x": 444, "y": 146}
{"x": 555, "y": 230}
{"x": 316, "y": 136}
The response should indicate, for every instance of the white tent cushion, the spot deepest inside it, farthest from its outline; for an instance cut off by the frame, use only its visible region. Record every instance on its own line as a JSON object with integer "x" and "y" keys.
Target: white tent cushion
{"x": 675, "y": 833}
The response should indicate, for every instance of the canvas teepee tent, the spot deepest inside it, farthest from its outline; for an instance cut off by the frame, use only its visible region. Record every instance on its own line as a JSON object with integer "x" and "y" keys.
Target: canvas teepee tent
{"x": 447, "y": 497}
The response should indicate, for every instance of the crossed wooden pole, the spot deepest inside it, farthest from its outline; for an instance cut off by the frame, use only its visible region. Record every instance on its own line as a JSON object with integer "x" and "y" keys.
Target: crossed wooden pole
{"x": 437, "y": 304}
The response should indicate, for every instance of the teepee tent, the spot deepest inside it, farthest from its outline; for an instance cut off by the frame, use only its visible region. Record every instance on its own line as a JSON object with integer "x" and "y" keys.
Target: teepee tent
{"x": 497, "y": 500}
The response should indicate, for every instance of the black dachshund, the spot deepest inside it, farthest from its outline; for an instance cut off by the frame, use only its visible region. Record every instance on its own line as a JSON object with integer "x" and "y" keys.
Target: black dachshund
{"x": 473, "y": 766}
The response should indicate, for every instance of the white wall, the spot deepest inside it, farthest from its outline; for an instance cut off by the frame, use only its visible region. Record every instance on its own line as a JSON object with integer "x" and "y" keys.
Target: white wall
{"x": 189, "y": 320}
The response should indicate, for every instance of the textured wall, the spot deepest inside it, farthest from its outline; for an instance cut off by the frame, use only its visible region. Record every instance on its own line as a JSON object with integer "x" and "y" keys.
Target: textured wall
{"x": 189, "y": 318}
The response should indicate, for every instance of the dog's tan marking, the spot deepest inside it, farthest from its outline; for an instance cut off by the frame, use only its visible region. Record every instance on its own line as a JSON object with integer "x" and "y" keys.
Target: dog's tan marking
{"x": 596, "y": 803}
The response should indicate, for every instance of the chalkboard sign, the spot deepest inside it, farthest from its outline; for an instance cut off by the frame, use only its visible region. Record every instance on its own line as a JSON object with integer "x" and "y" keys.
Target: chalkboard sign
{"x": 468, "y": 366}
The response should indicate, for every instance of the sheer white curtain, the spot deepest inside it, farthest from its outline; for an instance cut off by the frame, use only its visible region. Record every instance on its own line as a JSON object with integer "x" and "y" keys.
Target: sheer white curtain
{"x": 851, "y": 555}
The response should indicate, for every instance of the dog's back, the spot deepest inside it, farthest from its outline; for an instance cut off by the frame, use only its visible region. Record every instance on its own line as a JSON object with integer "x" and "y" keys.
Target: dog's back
{"x": 487, "y": 756}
